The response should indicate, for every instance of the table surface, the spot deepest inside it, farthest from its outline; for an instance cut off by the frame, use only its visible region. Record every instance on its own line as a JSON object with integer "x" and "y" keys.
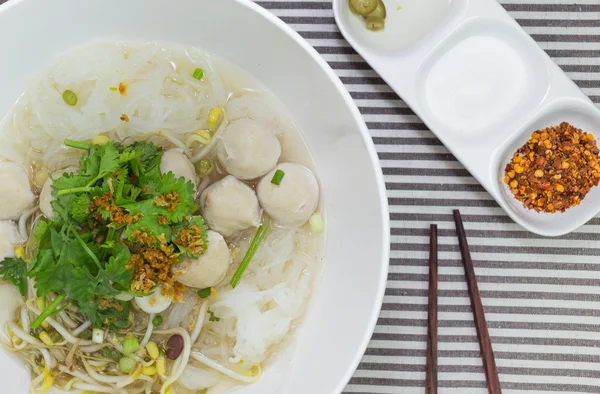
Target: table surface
{"x": 541, "y": 296}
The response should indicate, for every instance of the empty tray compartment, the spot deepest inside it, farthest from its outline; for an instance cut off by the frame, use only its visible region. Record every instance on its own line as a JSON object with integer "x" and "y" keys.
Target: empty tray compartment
{"x": 484, "y": 80}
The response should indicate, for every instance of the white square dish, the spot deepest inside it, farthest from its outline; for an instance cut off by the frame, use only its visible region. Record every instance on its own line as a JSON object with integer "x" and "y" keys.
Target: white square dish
{"x": 482, "y": 86}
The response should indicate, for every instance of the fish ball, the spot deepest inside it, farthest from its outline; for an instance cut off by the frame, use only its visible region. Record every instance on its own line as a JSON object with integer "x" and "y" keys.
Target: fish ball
{"x": 247, "y": 149}
{"x": 207, "y": 270}
{"x": 294, "y": 200}
{"x": 229, "y": 206}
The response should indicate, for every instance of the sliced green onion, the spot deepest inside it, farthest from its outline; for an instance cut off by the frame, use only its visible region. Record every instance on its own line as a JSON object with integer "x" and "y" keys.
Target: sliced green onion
{"x": 127, "y": 364}
{"x": 70, "y": 98}
{"x": 130, "y": 345}
{"x": 316, "y": 223}
{"x": 279, "y": 174}
{"x": 48, "y": 311}
{"x": 98, "y": 335}
{"x": 157, "y": 321}
{"x": 198, "y": 73}
{"x": 77, "y": 144}
{"x": 204, "y": 293}
{"x": 258, "y": 237}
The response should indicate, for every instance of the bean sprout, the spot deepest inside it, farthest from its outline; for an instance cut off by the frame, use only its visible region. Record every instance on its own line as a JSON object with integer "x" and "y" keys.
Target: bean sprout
{"x": 97, "y": 388}
{"x": 48, "y": 359}
{"x": 196, "y": 138}
{"x": 182, "y": 360}
{"x": 206, "y": 149}
{"x": 24, "y": 320}
{"x": 57, "y": 353}
{"x": 82, "y": 328}
{"x": 99, "y": 364}
{"x": 25, "y": 337}
{"x": 21, "y": 345}
{"x": 70, "y": 383}
{"x": 95, "y": 347}
{"x": 102, "y": 378}
{"x": 225, "y": 371}
{"x": 148, "y": 330}
{"x": 77, "y": 374}
{"x": 67, "y": 320}
{"x": 58, "y": 327}
{"x": 35, "y": 382}
{"x": 130, "y": 379}
{"x": 203, "y": 185}
{"x": 199, "y": 323}
{"x": 172, "y": 139}
{"x": 23, "y": 222}
{"x": 71, "y": 355}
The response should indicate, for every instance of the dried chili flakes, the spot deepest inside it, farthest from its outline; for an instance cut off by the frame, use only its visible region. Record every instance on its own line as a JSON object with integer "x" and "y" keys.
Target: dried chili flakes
{"x": 555, "y": 169}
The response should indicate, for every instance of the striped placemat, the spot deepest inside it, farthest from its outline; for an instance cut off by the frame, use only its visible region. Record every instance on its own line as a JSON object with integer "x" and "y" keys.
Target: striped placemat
{"x": 541, "y": 296}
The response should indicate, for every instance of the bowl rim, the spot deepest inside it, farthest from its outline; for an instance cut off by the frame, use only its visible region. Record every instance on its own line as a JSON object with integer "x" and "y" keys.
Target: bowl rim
{"x": 375, "y": 163}
{"x": 382, "y": 191}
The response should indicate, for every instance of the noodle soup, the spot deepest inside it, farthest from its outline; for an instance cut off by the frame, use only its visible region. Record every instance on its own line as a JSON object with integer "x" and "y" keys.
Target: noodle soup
{"x": 163, "y": 223}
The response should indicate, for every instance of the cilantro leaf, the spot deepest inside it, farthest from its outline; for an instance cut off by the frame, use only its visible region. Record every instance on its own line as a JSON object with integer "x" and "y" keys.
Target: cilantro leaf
{"x": 116, "y": 269}
{"x": 71, "y": 252}
{"x": 100, "y": 161}
{"x": 82, "y": 286}
{"x": 109, "y": 160}
{"x": 123, "y": 188}
{"x": 41, "y": 229}
{"x": 90, "y": 309}
{"x": 116, "y": 316}
{"x": 81, "y": 255}
{"x": 149, "y": 224}
{"x": 105, "y": 289}
{"x": 51, "y": 275}
{"x": 40, "y": 238}
{"x": 14, "y": 270}
{"x": 129, "y": 153}
{"x": 43, "y": 260}
{"x": 70, "y": 181}
{"x": 147, "y": 165}
{"x": 80, "y": 207}
{"x": 65, "y": 267}
{"x": 212, "y": 317}
{"x": 169, "y": 187}
{"x": 190, "y": 236}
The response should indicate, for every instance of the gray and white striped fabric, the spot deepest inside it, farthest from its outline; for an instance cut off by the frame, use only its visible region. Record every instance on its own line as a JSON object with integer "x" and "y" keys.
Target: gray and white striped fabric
{"x": 541, "y": 296}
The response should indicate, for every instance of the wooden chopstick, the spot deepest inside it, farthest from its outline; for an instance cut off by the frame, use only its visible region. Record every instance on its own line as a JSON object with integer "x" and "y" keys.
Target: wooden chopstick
{"x": 485, "y": 343}
{"x": 431, "y": 372}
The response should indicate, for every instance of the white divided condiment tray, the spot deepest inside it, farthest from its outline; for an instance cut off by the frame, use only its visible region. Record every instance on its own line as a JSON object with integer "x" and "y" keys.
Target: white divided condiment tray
{"x": 481, "y": 84}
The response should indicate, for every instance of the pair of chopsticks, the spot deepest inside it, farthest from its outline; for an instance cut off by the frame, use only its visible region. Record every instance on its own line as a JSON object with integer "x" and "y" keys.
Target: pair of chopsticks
{"x": 485, "y": 344}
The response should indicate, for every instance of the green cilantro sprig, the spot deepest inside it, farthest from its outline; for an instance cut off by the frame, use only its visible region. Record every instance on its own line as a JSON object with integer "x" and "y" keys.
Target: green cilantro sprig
{"x": 84, "y": 256}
